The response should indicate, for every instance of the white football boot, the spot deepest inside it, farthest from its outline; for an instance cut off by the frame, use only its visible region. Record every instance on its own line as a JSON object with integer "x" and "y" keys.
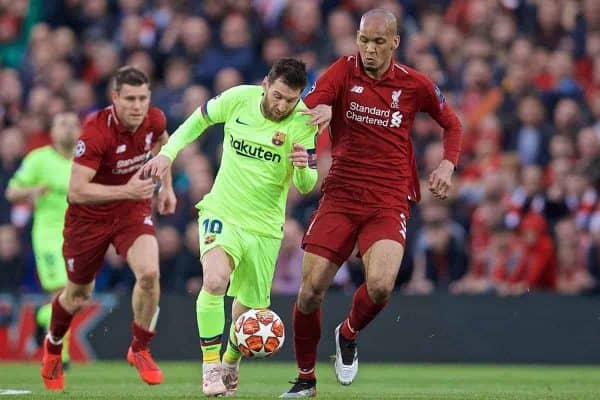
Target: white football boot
{"x": 346, "y": 358}
{"x": 212, "y": 382}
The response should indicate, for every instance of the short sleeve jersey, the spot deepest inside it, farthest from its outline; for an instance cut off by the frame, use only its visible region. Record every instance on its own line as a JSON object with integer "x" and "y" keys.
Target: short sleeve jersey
{"x": 116, "y": 154}
{"x": 373, "y": 158}
{"x": 46, "y": 167}
{"x": 252, "y": 185}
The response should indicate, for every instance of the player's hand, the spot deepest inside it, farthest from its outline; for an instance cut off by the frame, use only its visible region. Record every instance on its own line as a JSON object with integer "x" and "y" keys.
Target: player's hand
{"x": 320, "y": 115}
{"x": 440, "y": 180}
{"x": 156, "y": 167}
{"x": 37, "y": 191}
{"x": 140, "y": 188}
{"x": 299, "y": 156}
{"x": 166, "y": 201}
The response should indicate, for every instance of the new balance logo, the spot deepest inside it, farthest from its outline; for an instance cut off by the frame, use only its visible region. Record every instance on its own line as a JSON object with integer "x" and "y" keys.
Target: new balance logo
{"x": 357, "y": 89}
{"x": 240, "y": 122}
{"x": 121, "y": 148}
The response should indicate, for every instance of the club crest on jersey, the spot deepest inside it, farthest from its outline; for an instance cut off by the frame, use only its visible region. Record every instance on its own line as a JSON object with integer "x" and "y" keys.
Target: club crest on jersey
{"x": 278, "y": 138}
{"x": 148, "y": 141}
{"x": 208, "y": 239}
{"x": 395, "y": 96}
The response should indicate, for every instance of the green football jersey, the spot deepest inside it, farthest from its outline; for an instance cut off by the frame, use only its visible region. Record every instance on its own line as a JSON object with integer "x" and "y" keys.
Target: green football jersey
{"x": 46, "y": 167}
{"x": 252, "y": 184}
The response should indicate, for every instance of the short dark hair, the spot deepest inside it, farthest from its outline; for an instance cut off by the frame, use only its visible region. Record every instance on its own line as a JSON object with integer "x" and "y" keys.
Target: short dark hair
{"x": 129, "y": 75}
{"x": 291, "y": 71}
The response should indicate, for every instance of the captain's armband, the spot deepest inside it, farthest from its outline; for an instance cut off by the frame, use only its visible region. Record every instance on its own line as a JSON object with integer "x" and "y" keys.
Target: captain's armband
{"x": 312, "y": 158}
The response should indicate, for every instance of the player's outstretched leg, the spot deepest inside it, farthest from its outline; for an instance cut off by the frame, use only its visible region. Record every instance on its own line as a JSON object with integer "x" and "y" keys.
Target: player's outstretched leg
{"x": 231, "y": 363}
{"x": 210, "y": 314}
{"x": 363, "y": 311}
{"x": 52, "y": 367}
{"x": 307, "y": 332}
{"x": 140, "y": 357}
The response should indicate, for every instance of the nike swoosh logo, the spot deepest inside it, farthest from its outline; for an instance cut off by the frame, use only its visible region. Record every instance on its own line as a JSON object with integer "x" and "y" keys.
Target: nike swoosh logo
{"x": 240, "y": 122}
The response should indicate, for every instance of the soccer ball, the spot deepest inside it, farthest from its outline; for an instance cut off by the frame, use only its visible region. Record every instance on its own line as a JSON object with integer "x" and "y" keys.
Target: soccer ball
{"x": 259, "y": 333}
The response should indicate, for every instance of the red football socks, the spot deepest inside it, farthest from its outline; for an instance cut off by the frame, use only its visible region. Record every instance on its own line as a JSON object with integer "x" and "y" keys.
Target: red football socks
{"x": 59, "y": 325}
{"x": 363, "y": 311}
{"x": 307, "y": 332}
{"x": 141, "y": 337}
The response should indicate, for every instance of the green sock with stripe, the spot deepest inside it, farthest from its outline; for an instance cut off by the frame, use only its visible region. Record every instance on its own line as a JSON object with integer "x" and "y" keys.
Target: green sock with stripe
{"x": 210, "y": 315}
{"x": 232, "y": 355}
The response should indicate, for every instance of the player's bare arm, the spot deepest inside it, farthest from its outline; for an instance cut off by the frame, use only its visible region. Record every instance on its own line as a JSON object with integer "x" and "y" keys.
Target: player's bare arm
{"x": 15, "y": 195}
{"x": 440, "y": 180}
{"x": 83, "y": 191}
{"x": 167, "y": 201}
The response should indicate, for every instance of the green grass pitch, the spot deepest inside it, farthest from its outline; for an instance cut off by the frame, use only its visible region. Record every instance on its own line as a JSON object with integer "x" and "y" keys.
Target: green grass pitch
{"x": 268, "y": 379}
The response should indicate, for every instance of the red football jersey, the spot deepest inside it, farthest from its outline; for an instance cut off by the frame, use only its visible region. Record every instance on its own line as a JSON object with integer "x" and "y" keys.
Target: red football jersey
{"x": 373, "y": 158}
{"x": 107, "y": 147}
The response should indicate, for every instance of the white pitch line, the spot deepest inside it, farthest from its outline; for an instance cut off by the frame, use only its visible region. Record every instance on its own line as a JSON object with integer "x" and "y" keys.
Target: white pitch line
{"x": 13, "y": 392}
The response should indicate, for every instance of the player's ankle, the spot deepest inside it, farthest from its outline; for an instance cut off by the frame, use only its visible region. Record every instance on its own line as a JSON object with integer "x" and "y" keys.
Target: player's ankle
{"x": 231, "y": 364}
{"x": 54, "y": 346}
{"x": 347, "y": 332}
{"x": 307, "y": 377}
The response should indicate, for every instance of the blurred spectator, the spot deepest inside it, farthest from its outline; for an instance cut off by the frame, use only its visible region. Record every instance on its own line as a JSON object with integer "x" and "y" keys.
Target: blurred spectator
{"x": 573, "y": 276}
{"x": 537, "y": 268}
{"x": 528, "y": 196}
{"x": 288, "y": 272}
{"x": 12, "y": 266}
{"x": 168, "y": 96}
{"x": 440, "y": 251}
{"x": 227, "y": 78}
{"x": 189, "y": 268}
{"x": 11, "y": 152}
{"x": 169, "y": 246}
{"x": 532, "y": 136}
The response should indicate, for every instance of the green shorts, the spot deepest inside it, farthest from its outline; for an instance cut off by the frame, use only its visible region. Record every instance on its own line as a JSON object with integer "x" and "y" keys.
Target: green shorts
{"x": 254, "y": 258}
{"x": 50, "y": 263}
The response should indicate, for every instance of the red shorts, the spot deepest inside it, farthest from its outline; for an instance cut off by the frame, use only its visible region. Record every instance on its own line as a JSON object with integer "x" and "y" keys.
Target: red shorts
{"x": 334, "y": 231}
{"x": 86, "y": 241}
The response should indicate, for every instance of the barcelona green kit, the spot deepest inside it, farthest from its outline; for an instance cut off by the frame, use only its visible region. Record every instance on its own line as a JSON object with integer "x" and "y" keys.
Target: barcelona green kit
{"x": 46, "y": 167}
{"x": 245, "y": 209}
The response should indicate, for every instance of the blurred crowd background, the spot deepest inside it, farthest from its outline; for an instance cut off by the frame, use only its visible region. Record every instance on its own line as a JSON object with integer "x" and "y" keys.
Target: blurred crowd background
{"x": 524, "y": 76}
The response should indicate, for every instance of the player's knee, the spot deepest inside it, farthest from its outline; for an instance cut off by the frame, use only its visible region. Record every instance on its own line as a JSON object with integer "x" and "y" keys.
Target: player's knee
{"x": 78, "y": 300}
{"x": 310, "y": 299}
{"x": 380, "y": 292}
{"x": 214, "y": 283}
{"x": 148, "y": 278}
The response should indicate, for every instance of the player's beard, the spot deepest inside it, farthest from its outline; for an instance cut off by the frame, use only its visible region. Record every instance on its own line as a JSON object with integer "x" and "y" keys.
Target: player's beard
{"x": 269, "y": 114}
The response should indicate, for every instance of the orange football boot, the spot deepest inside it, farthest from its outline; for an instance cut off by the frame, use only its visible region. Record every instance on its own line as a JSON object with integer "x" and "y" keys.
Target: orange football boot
{"x": 147, "y": 368}
{"x": 52, "y": 370}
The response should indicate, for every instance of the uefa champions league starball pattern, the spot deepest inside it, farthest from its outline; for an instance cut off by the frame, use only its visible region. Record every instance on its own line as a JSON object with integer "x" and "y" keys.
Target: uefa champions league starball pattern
{"x": 259, "y": 333}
